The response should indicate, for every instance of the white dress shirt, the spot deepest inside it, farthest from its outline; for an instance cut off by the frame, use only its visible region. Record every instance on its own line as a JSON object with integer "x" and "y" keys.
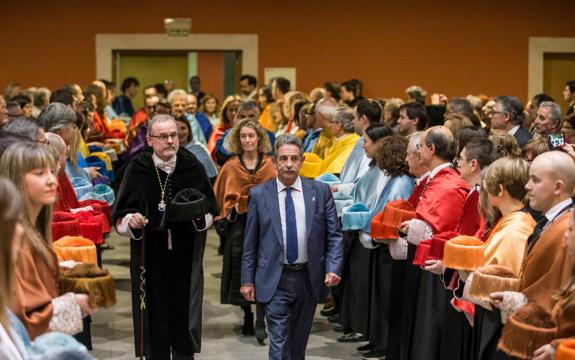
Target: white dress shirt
{"x": 299, "y": 204}
{"x": 437, "y": 169}
{"x": 554, "y": 211}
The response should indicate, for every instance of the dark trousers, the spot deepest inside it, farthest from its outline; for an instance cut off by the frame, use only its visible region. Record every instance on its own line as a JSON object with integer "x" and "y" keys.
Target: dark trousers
{"x": 289, "y": 315}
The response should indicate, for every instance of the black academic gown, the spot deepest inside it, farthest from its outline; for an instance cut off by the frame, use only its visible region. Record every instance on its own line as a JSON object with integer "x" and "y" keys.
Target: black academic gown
{"x": 174, "y": 271}
{"x": 354, "y": 311}
{"x": 382, "y": 278}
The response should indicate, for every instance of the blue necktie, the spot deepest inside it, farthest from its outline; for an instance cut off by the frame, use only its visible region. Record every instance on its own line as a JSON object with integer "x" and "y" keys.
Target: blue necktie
{"x": 291, "y": 228}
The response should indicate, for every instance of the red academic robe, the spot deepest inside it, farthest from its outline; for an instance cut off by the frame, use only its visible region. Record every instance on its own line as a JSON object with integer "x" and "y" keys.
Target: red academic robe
{"x": 417, "y": 191}
{"x": 442, "y": 206}
{"x": 66, "y": 196}
{"x": 472, "y": 220}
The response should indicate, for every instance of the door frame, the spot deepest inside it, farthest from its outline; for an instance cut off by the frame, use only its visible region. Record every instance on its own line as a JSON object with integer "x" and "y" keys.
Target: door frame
{"x": 538, "y": 46}
{"x": 106, "y": 44}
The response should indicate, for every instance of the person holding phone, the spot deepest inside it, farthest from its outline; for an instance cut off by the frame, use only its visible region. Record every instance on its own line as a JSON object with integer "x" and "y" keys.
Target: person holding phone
{"x": 548, "y": 120}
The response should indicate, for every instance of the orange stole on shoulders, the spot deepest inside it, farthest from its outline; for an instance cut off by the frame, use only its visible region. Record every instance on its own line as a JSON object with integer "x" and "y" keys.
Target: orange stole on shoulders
{"x": 235, "y": 181}
{"x": 548, "y": 266}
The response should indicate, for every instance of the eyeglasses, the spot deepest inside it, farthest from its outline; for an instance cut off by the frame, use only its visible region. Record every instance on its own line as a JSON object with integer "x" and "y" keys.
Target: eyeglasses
{"x": 493, "y": 112}
{"x": 45, "y": 142}
{"x": 165, "y": 137}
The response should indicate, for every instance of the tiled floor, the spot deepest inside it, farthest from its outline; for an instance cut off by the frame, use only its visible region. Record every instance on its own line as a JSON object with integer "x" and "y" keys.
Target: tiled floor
{"x": 222, "y": 339}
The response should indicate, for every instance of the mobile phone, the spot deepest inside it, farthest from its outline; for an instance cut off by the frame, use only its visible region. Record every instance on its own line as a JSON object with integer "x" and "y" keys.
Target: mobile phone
{"x": 555, "y": 141}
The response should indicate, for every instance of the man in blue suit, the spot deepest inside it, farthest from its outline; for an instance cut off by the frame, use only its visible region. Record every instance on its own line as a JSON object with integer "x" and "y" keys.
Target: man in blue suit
{"x": 292, "y": 250}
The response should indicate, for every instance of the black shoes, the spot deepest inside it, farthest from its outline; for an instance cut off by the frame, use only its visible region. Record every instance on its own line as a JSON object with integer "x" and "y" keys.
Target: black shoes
{"x": 329, "y": 312}
{"x": 365, "y": 348}
{"x": 351, "y": 337}
{"x": 374, "y": 355}
{"x": 260, "y": 332}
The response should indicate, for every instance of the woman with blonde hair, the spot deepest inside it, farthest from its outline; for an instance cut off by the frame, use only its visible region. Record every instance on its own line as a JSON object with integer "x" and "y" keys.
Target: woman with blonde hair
{"x": 227, "y": 115}
{"x": 10, "y": 237}
{"x": 504, "y": 185}
{"x": 288, "y": 126}
{"x": 248, "y": 168}
{"x": 37, "y": 301}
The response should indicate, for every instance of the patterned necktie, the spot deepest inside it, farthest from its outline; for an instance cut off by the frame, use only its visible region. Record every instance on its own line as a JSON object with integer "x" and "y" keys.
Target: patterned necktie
{"x": 291, "y": 228}
{"x": 532, "y": 239}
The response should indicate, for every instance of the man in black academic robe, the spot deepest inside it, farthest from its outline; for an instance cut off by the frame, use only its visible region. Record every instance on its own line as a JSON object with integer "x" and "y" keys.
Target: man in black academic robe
{"x": 173, "y": 250}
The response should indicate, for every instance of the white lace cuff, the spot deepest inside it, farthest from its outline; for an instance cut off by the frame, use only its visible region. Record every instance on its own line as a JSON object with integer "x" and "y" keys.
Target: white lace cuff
{"x": 123, "y": 227}
{"x": 511, "y": 302}
{"x": 66, "y": 316}
{"x": 398, "y": 249}
{"x": 418, "y": 231}
{"x": 366, "y": 241}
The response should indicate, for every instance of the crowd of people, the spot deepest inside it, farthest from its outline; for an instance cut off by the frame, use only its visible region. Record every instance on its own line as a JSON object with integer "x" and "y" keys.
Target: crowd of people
{"x": 442, "y": 229}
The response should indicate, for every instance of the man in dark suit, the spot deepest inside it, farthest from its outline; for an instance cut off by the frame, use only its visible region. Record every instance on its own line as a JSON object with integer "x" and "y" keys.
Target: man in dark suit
{"x": 508, "y": 115}
{"x": 292, "y": 250}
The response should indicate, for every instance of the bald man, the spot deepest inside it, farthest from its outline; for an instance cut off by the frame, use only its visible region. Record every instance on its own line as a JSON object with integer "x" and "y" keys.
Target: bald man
{"x": 547, "y": 266}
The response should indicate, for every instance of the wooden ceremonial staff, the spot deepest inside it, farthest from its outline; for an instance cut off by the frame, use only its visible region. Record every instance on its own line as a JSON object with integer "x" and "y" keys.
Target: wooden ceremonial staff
{"x": 142, "y": 290}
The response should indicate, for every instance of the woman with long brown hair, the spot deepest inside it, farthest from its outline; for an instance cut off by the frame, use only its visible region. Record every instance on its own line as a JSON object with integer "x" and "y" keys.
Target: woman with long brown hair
{"x": 37, "y": 301}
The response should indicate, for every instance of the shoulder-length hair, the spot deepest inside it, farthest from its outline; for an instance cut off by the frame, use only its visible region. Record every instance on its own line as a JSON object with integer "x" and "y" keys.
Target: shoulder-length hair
{"x": 15, "y": 163}
{"x": 205, "y": 100}
{"x": 391, "y": 155}
{"x": 10, "y": 211}
{"x": 227, "y": 102}
{"x": 233, "y": 144}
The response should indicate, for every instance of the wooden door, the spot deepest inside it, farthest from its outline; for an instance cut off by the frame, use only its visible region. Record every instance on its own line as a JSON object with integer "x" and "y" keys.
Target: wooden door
{"x": 152, "y": 67}
{"x": 558, "y": 68}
